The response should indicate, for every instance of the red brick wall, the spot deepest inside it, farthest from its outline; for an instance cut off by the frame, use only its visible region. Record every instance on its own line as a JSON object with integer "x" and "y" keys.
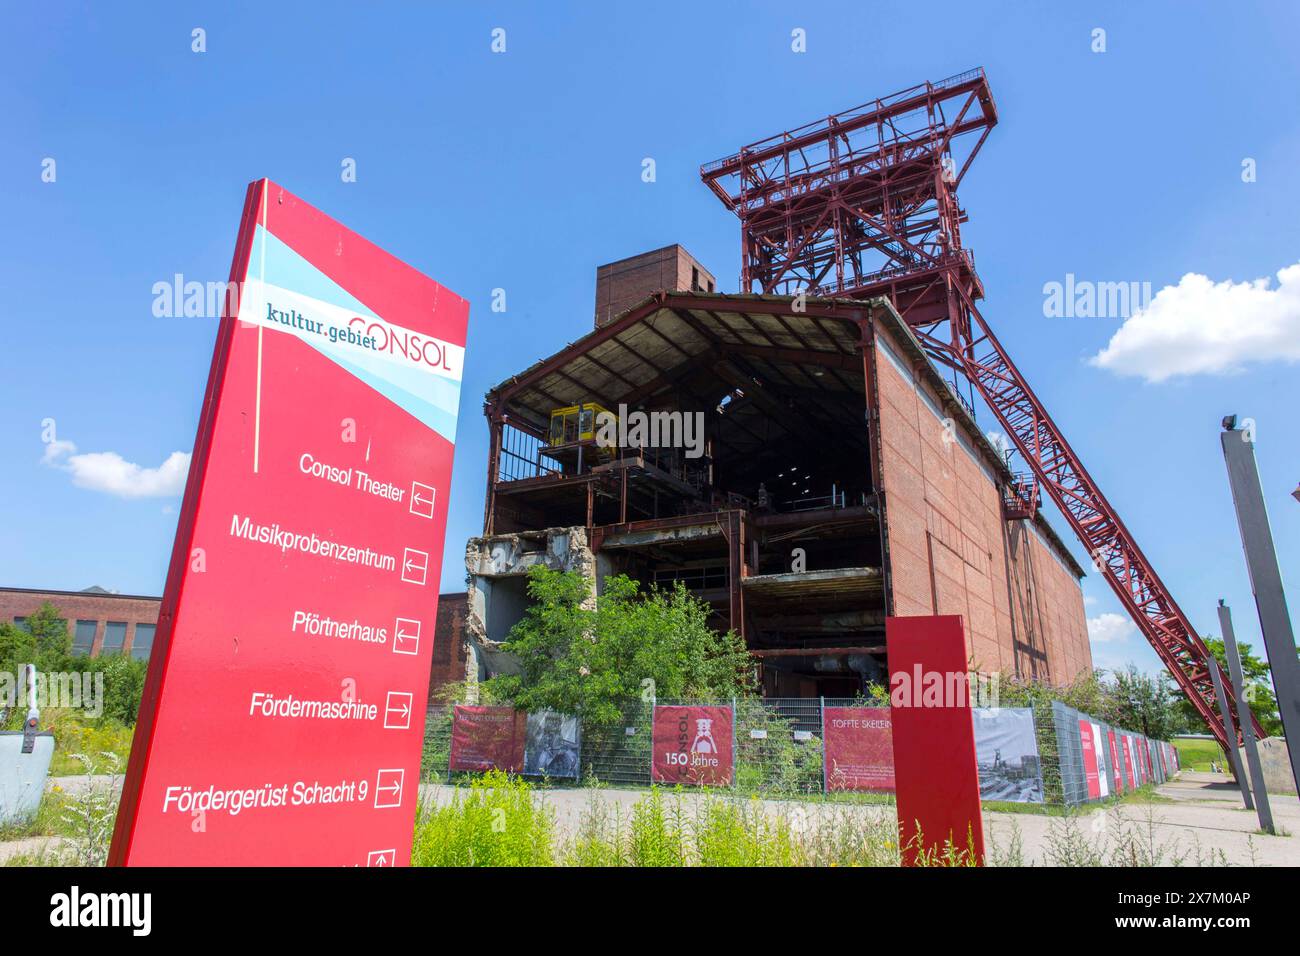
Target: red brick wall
{"x": 449, "y": 650}
{"x": 1057, "y": 602}
{"x": 74, "y": 606}
{"x": 948, "y": 544}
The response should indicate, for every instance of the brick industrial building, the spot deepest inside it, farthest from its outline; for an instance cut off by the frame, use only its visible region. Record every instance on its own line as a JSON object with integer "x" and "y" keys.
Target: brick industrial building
{"x": 100, "y": 621}
{"x": 841, "y": 480}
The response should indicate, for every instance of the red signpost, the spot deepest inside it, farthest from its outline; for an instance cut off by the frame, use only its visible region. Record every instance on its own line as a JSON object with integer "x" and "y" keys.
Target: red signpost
{"x": 283, "y": 712}
{"x": 693, "y": 745}
{"x": 935, "y": 773}
{"x": 859, "y": 748}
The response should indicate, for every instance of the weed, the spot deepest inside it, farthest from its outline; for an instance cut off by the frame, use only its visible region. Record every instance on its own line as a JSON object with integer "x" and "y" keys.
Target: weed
{"x": 496, "y": 822}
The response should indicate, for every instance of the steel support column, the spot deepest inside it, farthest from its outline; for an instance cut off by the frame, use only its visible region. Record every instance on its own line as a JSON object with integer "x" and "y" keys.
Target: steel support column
{"x": 1257, "y": 785}
{"x": 1265, "y": 580}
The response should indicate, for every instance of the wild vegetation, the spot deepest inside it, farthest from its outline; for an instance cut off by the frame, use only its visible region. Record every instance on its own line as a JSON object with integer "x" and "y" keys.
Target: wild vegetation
{"x": 104, "y": 725}
{"x": 501, "y": 820}
{"x": 586, "y": 655}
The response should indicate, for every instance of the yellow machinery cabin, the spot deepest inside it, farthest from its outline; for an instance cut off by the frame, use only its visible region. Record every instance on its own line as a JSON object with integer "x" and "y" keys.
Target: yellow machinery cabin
{"x": 574, "y": 424}
{"x": 577, "y": 425}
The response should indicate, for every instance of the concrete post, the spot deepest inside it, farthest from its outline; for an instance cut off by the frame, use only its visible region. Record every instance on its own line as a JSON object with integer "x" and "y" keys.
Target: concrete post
{"x": 1237, "y": 676}
{"x": 1265, "y": 580}
{"x": 1234, "y": 755}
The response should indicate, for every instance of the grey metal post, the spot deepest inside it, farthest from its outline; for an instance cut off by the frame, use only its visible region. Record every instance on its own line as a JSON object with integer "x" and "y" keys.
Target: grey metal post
{"x": 1265, "y": 580}
{"x": 1237, "y": 676}
{"x": 1234, "y": 755}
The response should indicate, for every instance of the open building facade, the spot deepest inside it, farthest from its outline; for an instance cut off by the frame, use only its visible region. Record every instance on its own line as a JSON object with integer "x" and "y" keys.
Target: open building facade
{"x": 797, "y": 463}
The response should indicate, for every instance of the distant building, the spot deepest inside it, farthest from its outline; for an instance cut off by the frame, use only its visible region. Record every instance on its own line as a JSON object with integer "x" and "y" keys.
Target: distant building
{"x": 100, "y": 621}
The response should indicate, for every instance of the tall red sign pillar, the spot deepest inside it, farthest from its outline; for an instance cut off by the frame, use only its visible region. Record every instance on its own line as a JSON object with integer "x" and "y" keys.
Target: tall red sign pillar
{"x": 283, "y": 712}
{"x": 935, "y": 774}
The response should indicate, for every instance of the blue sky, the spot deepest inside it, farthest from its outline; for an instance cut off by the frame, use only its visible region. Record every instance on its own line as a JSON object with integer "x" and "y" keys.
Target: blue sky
{"x": 522, "y": 171}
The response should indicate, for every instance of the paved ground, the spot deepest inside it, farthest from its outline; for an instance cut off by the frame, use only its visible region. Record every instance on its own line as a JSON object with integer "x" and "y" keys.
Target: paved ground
{"x": 1198, "y": 813}
{"x": 1198, "y": 819}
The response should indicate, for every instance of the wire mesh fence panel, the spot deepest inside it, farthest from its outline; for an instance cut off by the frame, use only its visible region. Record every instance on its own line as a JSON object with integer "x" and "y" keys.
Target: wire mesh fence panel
{"x": 779, "y": 745}
{"x": 436, "y": 754}
{"x": 1157, "y": 767}
{"x": 1073, "y": 777}
{"x": 1049, "y": 758}
{"x": 619, "y": 753}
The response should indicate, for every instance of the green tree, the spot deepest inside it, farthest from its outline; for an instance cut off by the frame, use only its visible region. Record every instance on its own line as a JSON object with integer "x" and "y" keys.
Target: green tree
{"x": 42, "y": 640}
{"x": 587, "y": 656}
{"x": 1259, "y": 689}
{"x": 50, "y": 632}
{"x": 1137, "y": 701}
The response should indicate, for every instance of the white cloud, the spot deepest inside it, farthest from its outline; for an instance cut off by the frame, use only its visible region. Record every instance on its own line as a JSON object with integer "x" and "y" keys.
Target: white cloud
{"x": 109, "y": 472}
{"x": 55, "y": 450}
{"x": 1204, "y": 327}
{"x": 1109, "y": 627}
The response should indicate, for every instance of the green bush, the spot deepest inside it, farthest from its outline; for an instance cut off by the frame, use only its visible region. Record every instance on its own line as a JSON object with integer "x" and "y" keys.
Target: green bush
{"x": 579, "y": 653}
{"x": 123, "y": 683}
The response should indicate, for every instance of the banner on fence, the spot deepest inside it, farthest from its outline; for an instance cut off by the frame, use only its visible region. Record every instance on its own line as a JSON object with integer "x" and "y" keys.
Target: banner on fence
{"x": 1006, "y": 752}
{"x": 693, "y": 744}
{"x": 1088, "y": 746}
{"x": 1103, "y": 764}
{"x": 487, "y": 738}
{"x": 1115, "y": 762}
{"x": 552, "y": 746}
{"x": 859, "y": 748}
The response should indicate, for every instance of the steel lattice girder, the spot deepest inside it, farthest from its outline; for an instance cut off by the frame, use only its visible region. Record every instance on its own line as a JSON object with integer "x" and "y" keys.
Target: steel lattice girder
{"x": 816, "y": 198}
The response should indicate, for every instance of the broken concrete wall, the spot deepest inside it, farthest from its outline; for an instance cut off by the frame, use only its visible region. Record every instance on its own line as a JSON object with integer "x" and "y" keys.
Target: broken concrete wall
{"x": 497, "y": 569}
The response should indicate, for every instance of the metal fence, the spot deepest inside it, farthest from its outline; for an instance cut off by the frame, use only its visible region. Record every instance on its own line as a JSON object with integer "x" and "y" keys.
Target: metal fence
{"x": 1073, "y": 776}
{"x": 619, "y": 753}
{"x": 779, "y": 746}
{"x": 1073, "y": 770}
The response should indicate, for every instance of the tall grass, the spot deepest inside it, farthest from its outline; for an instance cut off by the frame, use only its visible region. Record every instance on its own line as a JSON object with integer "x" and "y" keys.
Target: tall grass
{"x": 501, "y": 821}
{"x": 666, "y": 829}
{"x": 495, "y": 822}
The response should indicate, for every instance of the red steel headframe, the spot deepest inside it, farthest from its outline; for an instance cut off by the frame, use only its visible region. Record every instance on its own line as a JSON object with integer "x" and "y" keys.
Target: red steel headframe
{"x": 864, "y": 203}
